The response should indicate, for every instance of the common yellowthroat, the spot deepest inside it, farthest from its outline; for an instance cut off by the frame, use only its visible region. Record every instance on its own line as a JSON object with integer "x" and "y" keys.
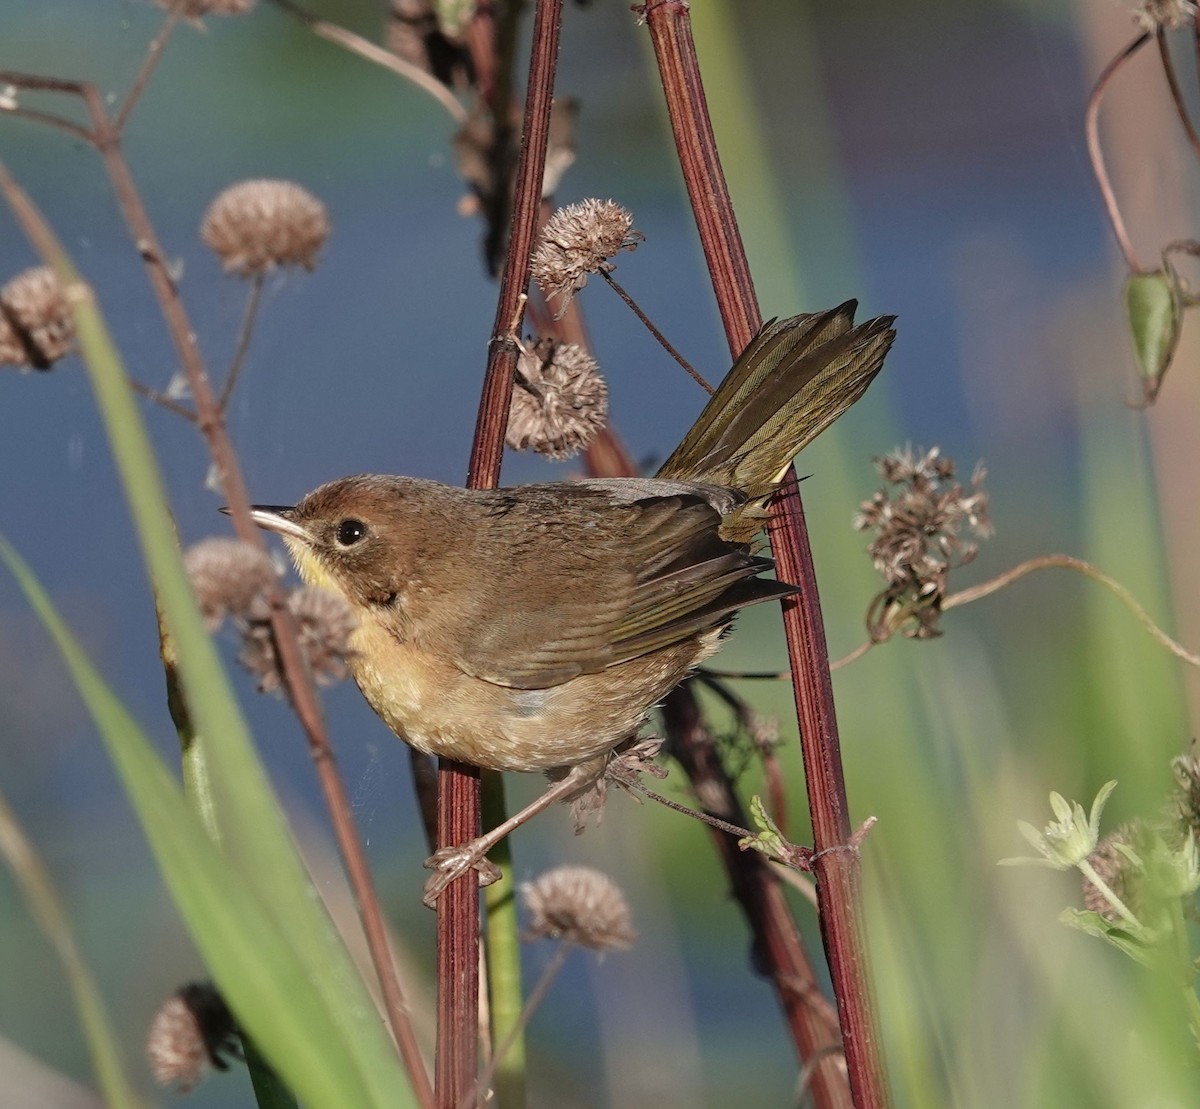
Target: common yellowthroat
{"x": 533, "y": 628}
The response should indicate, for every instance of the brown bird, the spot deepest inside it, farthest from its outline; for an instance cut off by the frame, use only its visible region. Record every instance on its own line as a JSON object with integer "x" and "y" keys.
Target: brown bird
{"x": 533, "y": 628}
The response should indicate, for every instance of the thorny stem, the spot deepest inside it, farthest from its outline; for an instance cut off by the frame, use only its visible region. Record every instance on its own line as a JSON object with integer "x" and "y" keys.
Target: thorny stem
{"x": 368, "y": 50}
{"x": 458, "y": 787}
{"x": 297, "y": 678}
{"x": 1185, "y": 119}
{"x": 1096, "y": 153}
{"x": 838, "y": 872}
{"x": 243, "y": 343}
{"x": 662, "y": 339}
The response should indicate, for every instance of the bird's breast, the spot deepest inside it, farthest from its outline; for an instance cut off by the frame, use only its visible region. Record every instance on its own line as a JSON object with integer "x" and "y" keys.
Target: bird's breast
{"x": 437, "y": 708}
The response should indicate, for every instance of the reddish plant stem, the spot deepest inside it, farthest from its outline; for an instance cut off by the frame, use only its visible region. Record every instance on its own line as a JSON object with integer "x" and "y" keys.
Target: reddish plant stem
{"x": 837, "y": 866}
{"x": 777, "y": 945}
{"x": 297, "y": 678}
{"x": 458, "y": 787}
{"x": 1091, "y": 126}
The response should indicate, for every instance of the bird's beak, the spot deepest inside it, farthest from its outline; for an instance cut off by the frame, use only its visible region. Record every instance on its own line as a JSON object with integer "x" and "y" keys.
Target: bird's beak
{"x": 279, "y": 518}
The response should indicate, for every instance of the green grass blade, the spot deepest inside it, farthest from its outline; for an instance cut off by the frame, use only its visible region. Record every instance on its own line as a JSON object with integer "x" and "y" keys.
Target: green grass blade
{"x": 262, "y": 980}
{"x": 253, "y": 829}
{"x": 52, "y": 918}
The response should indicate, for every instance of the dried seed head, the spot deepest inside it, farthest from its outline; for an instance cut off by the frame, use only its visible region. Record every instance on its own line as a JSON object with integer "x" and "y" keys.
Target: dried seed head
{"x": 36, "y": 325}
{"x": 559, "y": 400}
{"x": 1184, "y": 802}
{"x": 1171, "y": 15}
{"x": 254, "y": 226}
{"x": 1116, "y": 870}
{"x": 578, "y": 240}
{"x": 326, "y": 623}
{"x": 579, "y": 905}
{"x": 194, "y": 9}
{"x": 191, "y": 1033}
{"x": 917, "y": 536}
{"x": 228, "y": 576}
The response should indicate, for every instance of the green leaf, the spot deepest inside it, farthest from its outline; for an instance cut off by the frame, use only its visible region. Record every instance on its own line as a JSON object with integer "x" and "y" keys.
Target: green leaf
{"x": 769, "y": 839}
{"x": 1152, "y": 308}
{"x": 1095, "y": 925}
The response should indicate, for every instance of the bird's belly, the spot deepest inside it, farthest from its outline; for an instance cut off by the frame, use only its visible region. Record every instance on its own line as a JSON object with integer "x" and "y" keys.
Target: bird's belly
{"x": 440, "y": 710}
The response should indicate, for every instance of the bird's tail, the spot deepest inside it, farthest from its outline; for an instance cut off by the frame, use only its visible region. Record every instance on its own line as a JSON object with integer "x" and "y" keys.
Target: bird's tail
{"x": 794, "y": 379}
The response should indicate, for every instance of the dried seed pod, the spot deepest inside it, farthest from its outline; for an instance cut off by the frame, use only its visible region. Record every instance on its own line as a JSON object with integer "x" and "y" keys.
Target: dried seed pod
{"x": 577, "y": 240}
{"x": 36, "y": 324}
{"x": 256, "y": 225}
{"x": 326, "y": 624}
{"x": 559, "y": 400}
{"x": 190, "y": 1034}
{"x": 578, "y": 905}
{"x": 228, "y": 576}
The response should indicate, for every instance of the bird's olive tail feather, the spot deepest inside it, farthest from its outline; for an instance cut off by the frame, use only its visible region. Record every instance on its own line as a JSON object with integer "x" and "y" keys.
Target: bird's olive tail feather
{"x": 794, "y": 379}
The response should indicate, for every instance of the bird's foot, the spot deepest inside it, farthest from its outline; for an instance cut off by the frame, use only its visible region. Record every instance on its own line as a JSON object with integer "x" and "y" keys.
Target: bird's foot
{"x": 453, "y": 862}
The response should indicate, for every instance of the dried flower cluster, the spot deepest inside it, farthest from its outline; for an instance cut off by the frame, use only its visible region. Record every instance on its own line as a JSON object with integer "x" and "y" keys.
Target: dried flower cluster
{"x": 36, "y": 325}
{"x": 230, "y": 579}
{"x": 192, "y": 1032}
{"x": 918, "y": 536}
{"x": 228, "y": 576}
{"x": 578, "y": 240}
{"x": 1171, "y": 15}
{"x": 325, "y": 622}
{"x": 578, "y": 905}
{"x": 195, "y": 9}
{"x": 559, "y": 400}
{"x": 256, "y": 225}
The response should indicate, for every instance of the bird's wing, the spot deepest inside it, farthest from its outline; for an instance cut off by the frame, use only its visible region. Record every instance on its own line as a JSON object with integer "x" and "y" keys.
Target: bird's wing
{"x": 659, "y": 575}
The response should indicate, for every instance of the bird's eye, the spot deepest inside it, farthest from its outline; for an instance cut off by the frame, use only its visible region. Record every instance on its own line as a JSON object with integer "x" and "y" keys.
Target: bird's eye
{"x": 350, "y": 532}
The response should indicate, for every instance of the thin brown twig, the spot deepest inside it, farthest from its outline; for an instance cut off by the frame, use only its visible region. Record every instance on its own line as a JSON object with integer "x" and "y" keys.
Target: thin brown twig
{"x": 377, "y": 55}
{"x": 854, "y": 655}
{"x": 1096, "y": 153}
{"x": 535, "y": 997}
{"x": 675, "y": 806}
{"x": 1181, "y": 109}
{"x": 662, "y": 339}
{"x": 154, "y": 54}
{"x": 162, "y": 399}
{"x": 297, "y": 679}
{"x": 243, "y": 344}
{"x": 1042, "y": 562}
{"x": 1069, "y": 562}
{"x": 47, "y": 118}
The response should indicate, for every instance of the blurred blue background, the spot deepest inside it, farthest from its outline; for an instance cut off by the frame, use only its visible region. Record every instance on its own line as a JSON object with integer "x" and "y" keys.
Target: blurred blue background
{"x": 926, "y": 158}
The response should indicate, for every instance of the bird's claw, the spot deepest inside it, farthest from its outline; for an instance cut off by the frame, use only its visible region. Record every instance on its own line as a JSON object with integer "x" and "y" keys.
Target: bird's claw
{"x": 453, "y": 862}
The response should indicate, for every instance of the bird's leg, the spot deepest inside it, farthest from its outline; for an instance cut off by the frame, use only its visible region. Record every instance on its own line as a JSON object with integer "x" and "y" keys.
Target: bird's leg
{"x": 451, "y": 862}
